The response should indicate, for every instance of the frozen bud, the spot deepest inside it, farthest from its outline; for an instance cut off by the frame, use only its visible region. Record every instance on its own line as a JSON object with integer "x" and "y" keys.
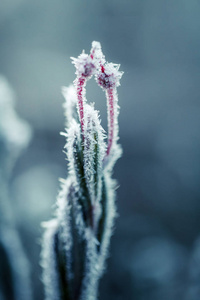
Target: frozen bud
{"x": 109, "y": 76}
{"x": 84, "y": 64}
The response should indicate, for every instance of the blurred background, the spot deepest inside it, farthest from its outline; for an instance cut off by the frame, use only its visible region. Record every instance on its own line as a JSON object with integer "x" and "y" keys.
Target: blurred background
{"x": 155, "y": 252}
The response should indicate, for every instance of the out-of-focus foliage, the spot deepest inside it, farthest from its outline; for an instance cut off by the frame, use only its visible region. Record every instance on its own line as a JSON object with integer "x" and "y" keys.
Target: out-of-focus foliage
{"x": 14, "y": 136}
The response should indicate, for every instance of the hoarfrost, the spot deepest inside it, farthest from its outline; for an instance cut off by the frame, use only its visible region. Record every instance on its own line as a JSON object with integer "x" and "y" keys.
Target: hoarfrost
{"x": 70, "y": 112}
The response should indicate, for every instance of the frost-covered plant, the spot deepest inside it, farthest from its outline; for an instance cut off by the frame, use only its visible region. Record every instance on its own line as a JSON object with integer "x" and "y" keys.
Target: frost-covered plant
{"x": 15, "y": 135}
{"x": 76, "y": 241}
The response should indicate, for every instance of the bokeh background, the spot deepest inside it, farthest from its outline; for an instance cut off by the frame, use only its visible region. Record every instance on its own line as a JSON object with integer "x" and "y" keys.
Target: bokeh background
{"x": 155, "y": 251}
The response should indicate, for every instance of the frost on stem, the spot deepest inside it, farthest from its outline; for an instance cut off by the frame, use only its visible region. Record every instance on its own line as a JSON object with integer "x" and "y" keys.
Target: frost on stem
{"x": 85, "y": 68}
{"x": 76, "y": 242}
{"x": 108, "y": 78}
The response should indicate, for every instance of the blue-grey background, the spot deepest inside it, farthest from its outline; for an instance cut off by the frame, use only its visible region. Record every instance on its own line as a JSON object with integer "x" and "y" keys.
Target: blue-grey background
{"x": 157, "y": 43}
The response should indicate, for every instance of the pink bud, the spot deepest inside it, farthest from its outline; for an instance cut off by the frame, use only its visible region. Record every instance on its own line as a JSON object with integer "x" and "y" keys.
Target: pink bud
{"x": 109, "y": 76}
{"x": 84, "y": 64}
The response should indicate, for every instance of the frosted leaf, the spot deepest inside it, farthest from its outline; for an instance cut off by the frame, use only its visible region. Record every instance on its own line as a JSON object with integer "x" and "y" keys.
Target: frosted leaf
{"x": 91, "y": 276}
{"x": 48, "y": 261}
{"x": 70, "y": 111}
{"x": 94, "y": 152}
{"x": 73, "y": 151}
{"x": 64, "y": 218}
{"x": 108, "y": 215}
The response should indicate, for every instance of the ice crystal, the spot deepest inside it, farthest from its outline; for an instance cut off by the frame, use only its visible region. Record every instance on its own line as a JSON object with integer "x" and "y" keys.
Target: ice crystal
{"x": 76, "y": 242}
